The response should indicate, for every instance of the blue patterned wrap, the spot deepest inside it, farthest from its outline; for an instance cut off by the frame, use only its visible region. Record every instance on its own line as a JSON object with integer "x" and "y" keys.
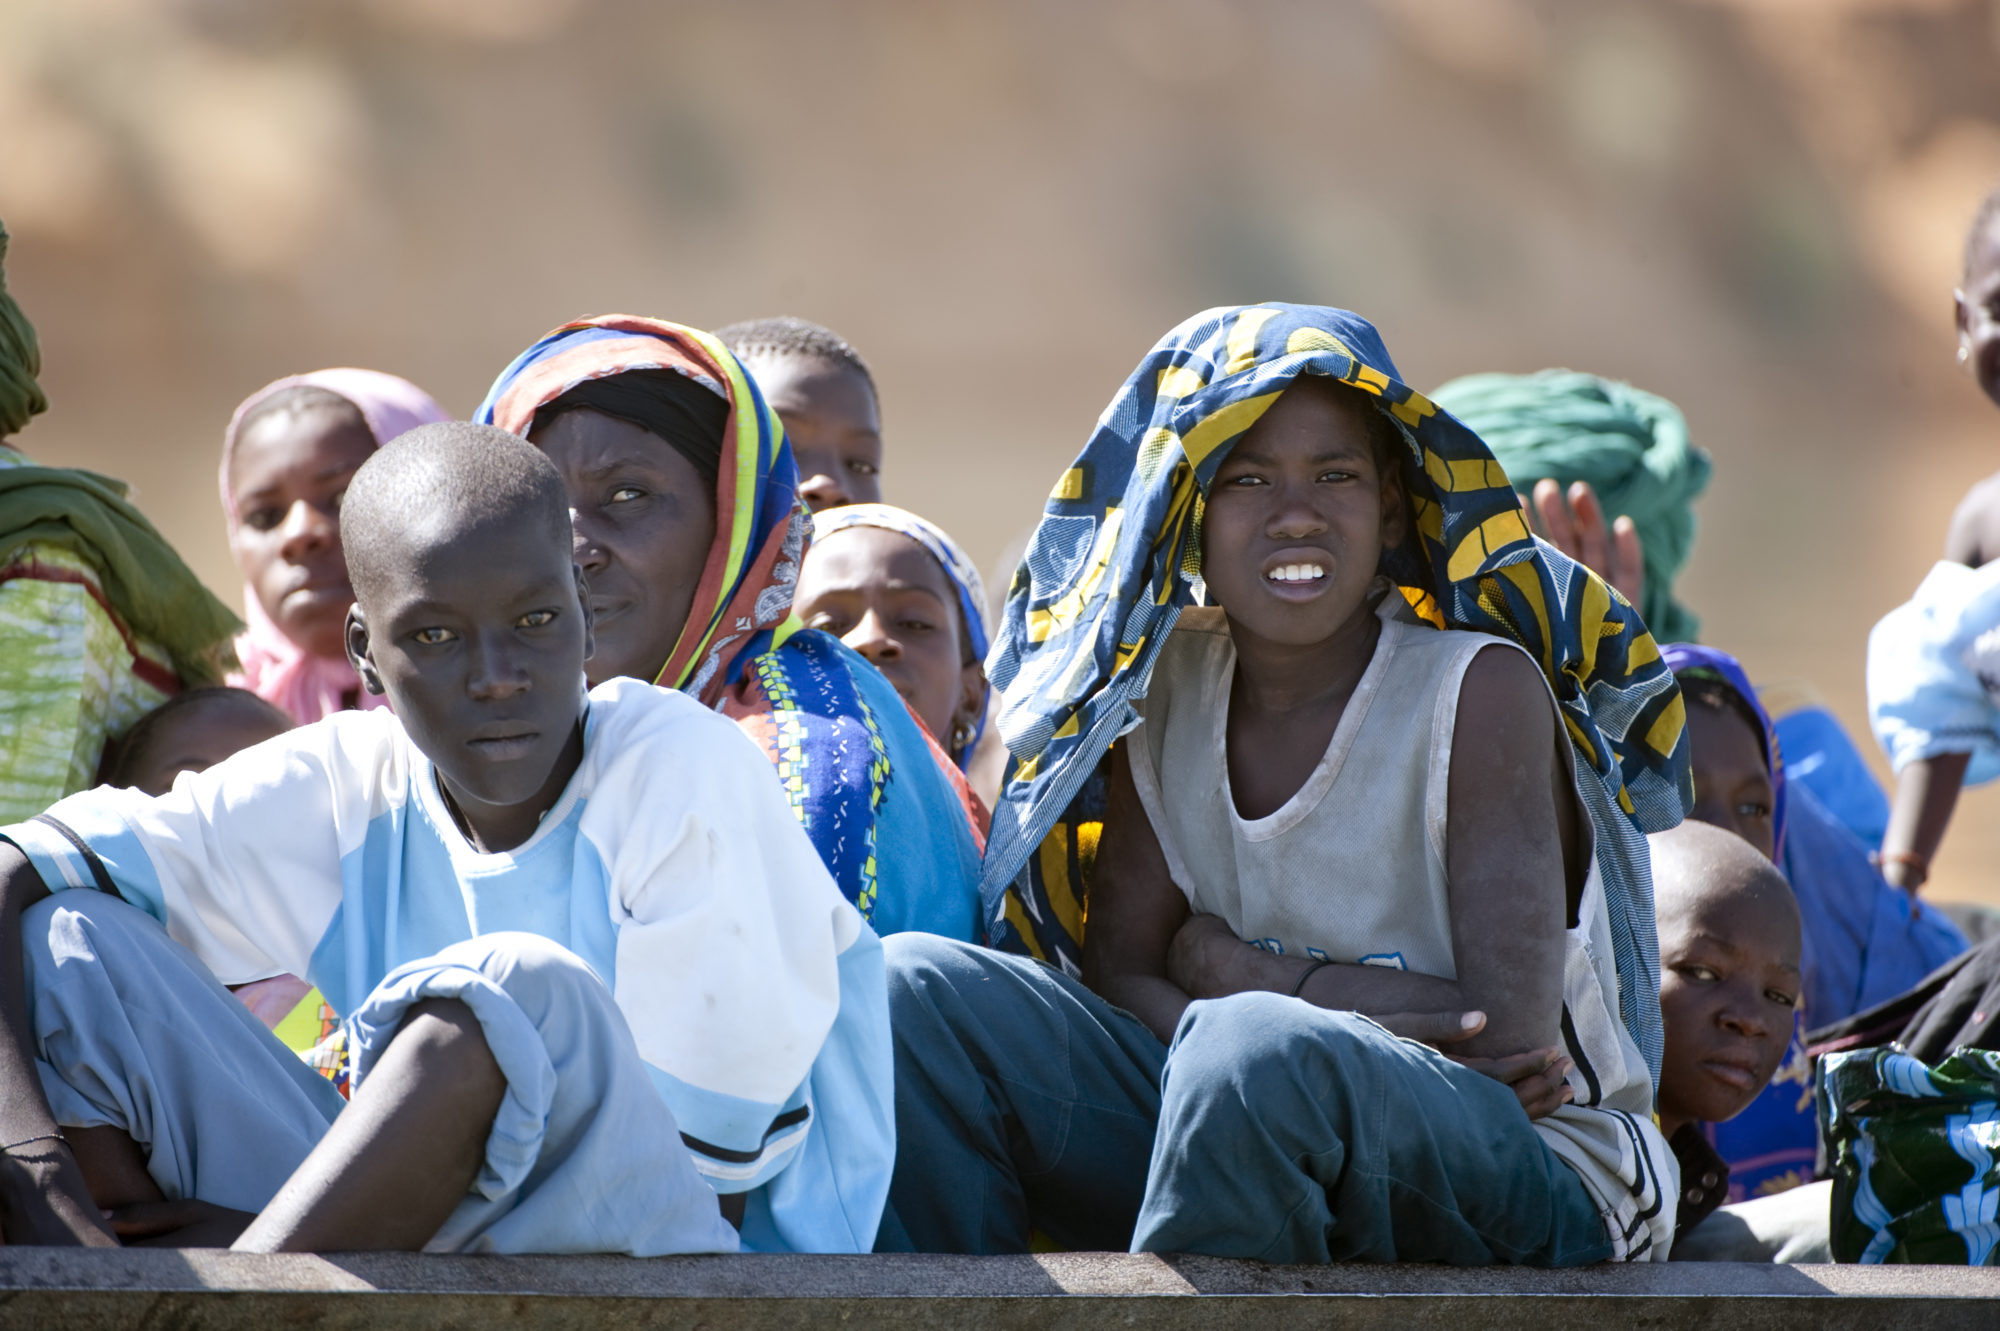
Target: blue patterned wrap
{"x": 1117, "y": 554}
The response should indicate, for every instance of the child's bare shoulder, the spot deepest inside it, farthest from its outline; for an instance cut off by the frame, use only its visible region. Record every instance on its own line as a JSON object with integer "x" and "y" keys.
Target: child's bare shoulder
{"x": 1502, "y": 680}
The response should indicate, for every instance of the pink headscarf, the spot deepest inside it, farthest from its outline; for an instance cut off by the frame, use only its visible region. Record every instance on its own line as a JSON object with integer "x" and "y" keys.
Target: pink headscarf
{"x": 274, "y": 667}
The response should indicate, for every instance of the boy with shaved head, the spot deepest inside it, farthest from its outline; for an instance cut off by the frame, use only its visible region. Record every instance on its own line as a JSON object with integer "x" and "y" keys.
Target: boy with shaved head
{"x": 1729, "y": 984}
{"x": 603, "y": 992}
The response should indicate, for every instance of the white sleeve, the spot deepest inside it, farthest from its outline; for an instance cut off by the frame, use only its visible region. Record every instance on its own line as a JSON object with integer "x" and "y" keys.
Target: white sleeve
{"x": 730, "y": 929}
{"x": 242, "y": 862}
{"x": 1934, "y": 669}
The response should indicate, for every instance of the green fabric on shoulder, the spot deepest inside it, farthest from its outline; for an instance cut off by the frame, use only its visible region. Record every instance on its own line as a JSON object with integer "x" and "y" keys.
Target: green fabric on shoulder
{"x": 21, "y": 397}
{"x": 150, "y": 587}
{"x": 1630, "y": 446}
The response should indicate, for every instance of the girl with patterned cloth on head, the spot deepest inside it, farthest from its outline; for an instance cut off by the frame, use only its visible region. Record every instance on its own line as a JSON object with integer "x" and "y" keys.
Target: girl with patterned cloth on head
{"x": 287, "y": 456}
{"x": 896, "y": 588}
{"x": 689, "y": 531}
{"x": 1383, "y": 767}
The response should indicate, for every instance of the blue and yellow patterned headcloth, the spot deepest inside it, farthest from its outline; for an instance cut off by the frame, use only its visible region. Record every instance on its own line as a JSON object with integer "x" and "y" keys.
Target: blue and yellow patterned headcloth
{"x": 1116, "y": 555}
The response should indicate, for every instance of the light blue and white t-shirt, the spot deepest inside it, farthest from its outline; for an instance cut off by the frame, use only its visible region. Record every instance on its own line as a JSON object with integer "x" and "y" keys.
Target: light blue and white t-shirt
{"x": 672, "y": 865}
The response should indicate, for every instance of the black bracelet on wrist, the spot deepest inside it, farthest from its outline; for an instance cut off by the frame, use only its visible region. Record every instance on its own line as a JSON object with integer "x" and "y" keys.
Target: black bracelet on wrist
{"x": 1300, "y": 988}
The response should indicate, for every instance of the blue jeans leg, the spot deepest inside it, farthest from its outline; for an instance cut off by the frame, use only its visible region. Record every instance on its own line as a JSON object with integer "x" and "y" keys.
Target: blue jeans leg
{"x": 1023, "y": 1102}
{"x": 1292, "y": 1134}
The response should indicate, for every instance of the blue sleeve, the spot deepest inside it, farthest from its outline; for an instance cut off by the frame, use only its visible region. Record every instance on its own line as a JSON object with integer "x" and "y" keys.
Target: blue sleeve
{"x": 1864, "y": 939}
{"x": 830, "y": 1196}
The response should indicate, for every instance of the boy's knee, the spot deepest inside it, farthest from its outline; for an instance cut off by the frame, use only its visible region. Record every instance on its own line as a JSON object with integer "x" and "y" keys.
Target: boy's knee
{"x": 921, "y": 967}
{"x": 81, "y": 926}
{"x": 528, "y": 967}
{"x": 1256, "y": 1044}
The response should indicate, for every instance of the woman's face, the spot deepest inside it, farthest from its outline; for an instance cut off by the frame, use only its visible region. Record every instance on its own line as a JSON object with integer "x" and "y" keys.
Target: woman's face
{"x": 287, "y": 475}
{"x": 644, "y": 520}
{"x": 1298, "y": 516}
{"x": 886, "y": 597}
{"x": 1732, "y": 785}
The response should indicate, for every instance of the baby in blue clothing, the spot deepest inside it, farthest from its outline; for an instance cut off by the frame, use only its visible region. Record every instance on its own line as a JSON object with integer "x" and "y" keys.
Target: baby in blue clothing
{"x": 603, "y": 992}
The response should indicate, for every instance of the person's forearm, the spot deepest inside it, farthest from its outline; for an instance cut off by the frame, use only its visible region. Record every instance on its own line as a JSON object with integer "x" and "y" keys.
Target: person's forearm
{"x": 1215, "y": 963}
{"x": 1155, "y": 1001}
{"x": 1926, "y": 792}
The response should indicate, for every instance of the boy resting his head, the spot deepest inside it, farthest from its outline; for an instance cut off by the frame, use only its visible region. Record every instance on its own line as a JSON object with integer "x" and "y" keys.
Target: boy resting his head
{"x": 1729, "y": 984}
{"x": 595, "y": 974}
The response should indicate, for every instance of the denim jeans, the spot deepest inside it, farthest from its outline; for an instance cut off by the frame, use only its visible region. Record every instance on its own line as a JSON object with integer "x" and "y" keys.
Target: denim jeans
{"x": 1270, "y": 1129}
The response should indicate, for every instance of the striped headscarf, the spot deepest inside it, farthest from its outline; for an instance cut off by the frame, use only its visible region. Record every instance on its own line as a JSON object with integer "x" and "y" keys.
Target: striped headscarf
{"x": 745, "y": 592}
{"x": 1118, "y": 548}
{"x": 957, "y": 566}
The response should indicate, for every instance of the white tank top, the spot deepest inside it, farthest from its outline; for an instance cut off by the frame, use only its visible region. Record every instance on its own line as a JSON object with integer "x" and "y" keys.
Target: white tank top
{"x": 1352, "y": 869}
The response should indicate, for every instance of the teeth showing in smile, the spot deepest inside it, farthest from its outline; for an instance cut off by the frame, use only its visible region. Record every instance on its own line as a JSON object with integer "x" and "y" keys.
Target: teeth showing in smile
{"x": 1296, "y": 573}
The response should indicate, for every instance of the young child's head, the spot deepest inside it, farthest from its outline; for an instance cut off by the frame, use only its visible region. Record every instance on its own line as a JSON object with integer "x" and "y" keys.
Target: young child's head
{"x": 822, "y": 390}
{"x": 1300, "y": 512}
{"x": 1727, "y": 750}
{"x": 287, "y": 458}
{"x": 1729, "y": 971}
{"x": 470, "y": 615}
{"x": 901, "y": 592}
{"x": 1978, "y": 298}
{"x": 191, "y": 732}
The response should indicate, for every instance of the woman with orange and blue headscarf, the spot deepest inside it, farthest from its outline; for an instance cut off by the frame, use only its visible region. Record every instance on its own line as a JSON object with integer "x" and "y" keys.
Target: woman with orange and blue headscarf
{"x": 689, "y": 532}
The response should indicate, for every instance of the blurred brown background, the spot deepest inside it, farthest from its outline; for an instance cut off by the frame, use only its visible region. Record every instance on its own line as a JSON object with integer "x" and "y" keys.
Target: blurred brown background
{"x": 1755, "y": 207}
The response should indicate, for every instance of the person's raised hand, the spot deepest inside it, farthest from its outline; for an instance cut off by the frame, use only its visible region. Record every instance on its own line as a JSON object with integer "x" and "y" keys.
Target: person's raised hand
{"x": 1576, "y": 527}
{"x": 1536, "y": 1077}
{"x": 43, "y": 1200}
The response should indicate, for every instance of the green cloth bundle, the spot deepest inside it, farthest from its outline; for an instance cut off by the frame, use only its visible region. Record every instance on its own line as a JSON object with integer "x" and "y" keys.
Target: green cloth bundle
{"x": 1915, "y": 1153}
{"x": 1629, "y": 445}
{"x": 20, "y": 359}
{"x": 151, "y": 588}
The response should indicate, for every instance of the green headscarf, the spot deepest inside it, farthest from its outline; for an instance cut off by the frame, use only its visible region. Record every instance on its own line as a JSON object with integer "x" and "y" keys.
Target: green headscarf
{"x": 1629, "y": 445}
{"x": 20, "y": 359}
{"x": 148, "y": 584}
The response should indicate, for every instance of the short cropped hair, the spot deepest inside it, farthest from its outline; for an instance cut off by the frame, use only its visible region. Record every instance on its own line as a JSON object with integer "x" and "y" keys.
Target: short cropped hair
{"x": 453, "y": 476}
{"x": 787, "y": 335}
{"x": 123, "y": 756}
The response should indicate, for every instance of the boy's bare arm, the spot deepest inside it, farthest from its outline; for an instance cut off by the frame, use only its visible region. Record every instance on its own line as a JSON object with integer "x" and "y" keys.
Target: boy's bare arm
{"x": 1505, "y": 864}
{"x": 43, "y": 1199}
{"x": 1926, "y": 793}
{"x": 1515, "y": 853}
{"x": 1135, "y": 910}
